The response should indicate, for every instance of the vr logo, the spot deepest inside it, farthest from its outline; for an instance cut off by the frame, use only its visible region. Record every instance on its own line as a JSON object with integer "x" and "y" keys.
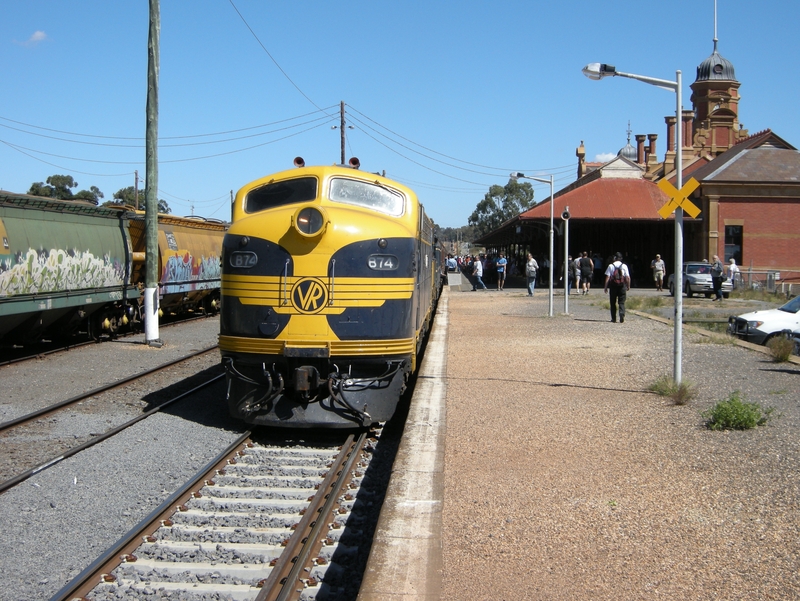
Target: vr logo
{"x": 309, "y": 295}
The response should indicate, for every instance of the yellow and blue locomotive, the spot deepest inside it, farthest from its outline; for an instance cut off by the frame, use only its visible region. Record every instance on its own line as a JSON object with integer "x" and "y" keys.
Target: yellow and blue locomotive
{"x": 329, "y": 285}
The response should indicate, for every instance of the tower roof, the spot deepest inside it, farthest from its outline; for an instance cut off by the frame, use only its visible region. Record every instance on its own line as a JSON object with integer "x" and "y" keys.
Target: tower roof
{"x": 628, "y": 151}
{"x": 715, "y": 67}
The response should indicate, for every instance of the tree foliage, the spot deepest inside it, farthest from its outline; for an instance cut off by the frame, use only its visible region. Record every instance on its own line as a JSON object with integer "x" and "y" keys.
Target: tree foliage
{"x": 499, "y": 205}
{"x": 92, "y": 195}
{"x": 127, "y": 196}
{"x": 60, "y": 187}
{"x": 455, "y": 234}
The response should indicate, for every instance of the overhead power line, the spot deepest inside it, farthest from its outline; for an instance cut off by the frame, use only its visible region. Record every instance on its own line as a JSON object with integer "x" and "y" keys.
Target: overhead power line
{"x": 503, "y": 169}
{"x": 139, "y": 162}
{"x": 325, "y": 118}
{"x": 264, "y": 48}
{"x": 218, "y": 133}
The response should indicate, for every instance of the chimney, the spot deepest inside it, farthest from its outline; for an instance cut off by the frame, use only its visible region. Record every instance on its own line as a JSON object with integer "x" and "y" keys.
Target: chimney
{"x": 671, "y": 133}
{"x": 687, "y": 140}
{"x": 652, "y": 148}
{"x": 580, "y": 152}
{"x": 640, "y": 148}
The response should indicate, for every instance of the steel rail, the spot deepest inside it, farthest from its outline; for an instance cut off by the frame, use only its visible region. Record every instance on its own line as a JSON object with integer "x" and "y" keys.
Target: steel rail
{"x": 4, "y": 486}
{"x": 85, "y": 395}
{"x": 73, "y": 345}
{"x": 282, "y": 582}
{"x": 90, "y": 577}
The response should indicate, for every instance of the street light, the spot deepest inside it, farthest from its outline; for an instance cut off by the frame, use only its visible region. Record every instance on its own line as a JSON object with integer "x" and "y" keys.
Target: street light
{"x": 601, "y": 70}
{"x": 516, "y": 176}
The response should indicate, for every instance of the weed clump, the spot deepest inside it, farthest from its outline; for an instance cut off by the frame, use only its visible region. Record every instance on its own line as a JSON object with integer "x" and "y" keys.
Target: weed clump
{"x": 780, "y": 347}
{"x": 680, "y": 394}
{"x": 736, "y": 414}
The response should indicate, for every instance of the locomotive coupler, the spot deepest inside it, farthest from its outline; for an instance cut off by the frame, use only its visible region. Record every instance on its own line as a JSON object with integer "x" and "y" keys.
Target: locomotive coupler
{"x": 305, "y": 380}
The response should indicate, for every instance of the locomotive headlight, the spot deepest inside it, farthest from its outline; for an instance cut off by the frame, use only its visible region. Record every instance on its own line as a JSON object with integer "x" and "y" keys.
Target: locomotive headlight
{"x": 309, "y": 221}
{"x": 382, "y": 243}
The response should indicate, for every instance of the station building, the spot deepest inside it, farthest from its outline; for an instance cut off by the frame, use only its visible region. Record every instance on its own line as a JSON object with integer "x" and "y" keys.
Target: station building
{"x": 749, "y": 195}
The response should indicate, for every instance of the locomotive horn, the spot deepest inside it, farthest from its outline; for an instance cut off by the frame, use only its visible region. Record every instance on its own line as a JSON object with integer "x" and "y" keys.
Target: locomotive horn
{"x": 354, "y": 163}
{"x": 299, "y": 162}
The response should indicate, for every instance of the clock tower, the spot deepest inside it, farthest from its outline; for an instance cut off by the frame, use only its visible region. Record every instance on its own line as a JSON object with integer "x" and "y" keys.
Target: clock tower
{"x": 715, "y": 98}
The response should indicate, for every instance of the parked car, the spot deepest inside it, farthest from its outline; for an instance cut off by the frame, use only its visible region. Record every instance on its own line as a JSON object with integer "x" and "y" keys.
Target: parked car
{"x": 760, "y": 326}
{"x": 697, "y": 280}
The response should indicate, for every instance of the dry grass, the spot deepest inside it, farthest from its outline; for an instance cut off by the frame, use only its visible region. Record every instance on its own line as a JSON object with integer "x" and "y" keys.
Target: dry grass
{"x": 780, "y": 348}
{"x": 680, "y": 394}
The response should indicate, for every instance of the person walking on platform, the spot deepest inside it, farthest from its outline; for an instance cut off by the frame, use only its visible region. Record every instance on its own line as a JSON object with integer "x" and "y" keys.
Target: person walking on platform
{"x": 618, "y": 282}
{"x": 733, "y": 272}
{"x": 502, "y": 267}
{"x": 587, "y": 268}
{"x": 531, "y": 267}
{"x": 572, "y": 268}
{"x": 717, "y": 271}
{"x": 477, "y": 275}
{"x": 658, "y": 267}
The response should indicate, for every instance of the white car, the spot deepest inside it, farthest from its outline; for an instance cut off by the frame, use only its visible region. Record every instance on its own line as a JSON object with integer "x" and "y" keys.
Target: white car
{"x": 697, "y": 280}
{"x": 760, "y": 326}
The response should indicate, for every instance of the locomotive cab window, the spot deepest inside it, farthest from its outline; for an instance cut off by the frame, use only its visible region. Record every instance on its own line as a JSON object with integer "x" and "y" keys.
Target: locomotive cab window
{"x": 275, "y": 194}
{"x": 368, "y": 195}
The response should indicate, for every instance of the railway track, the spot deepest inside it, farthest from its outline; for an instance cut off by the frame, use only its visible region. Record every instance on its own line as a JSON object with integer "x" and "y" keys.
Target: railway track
{"x": 50, "y": 409}
{"x": 36, "y": 416}
{"x": 12, "y": 355}
{"x": 263, "y": 522}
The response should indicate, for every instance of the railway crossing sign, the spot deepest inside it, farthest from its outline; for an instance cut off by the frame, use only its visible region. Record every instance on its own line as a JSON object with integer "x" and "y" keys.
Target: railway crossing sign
{"x": 678, "y": 198}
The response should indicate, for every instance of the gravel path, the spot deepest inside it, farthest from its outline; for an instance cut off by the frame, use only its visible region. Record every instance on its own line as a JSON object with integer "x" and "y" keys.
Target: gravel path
{"x": 565, "y": 479}
{"x": 57, "y": 522}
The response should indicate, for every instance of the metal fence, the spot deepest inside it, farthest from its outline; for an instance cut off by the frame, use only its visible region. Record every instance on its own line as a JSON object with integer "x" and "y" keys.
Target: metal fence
{"x": 769, "y": 281}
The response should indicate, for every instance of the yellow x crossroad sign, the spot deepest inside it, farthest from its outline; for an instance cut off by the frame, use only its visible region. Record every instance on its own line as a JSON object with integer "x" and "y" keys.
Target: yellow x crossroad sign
{"x": 678, "y": 198}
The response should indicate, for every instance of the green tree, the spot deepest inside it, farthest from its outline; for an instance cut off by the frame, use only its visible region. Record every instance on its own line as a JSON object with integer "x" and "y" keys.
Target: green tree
{"x": 499, "y": 205}
{"x": 455, "y": 234}
{"x": 60, "y": 187}
{"x": 127, "y": 196}
{"x": 92, "y": 195}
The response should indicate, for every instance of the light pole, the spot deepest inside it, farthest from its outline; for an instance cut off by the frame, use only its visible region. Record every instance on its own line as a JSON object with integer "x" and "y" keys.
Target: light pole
{"x": 516, "y": 176}
{"x": 601, "y": 70}
{"x": 565, "y": 216}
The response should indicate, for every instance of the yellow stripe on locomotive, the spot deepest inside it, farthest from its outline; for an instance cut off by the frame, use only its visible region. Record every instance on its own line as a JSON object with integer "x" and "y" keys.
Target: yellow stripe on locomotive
{"x": 327, "y": 297}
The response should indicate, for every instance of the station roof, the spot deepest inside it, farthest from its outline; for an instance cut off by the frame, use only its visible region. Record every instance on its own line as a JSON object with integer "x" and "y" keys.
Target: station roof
{"x": 605, "y": 198}
{"x": 599, "y": 199}
{"x": 764, "y": 157}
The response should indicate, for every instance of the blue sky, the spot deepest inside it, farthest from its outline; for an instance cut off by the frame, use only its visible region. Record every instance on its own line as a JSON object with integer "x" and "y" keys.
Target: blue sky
{"x": 446, "y": 97}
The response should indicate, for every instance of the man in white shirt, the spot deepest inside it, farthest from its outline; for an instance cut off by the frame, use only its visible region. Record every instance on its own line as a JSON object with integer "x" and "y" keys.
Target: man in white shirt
{"x": 618, "y": 282}
{"x": 478, "y": 274}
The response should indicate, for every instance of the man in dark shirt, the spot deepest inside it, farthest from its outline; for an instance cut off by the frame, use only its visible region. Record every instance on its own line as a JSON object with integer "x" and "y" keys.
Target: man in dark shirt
{"x": 587, "y": 267}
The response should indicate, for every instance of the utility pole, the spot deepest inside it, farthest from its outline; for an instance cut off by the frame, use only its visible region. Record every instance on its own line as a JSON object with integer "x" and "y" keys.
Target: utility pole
{"x": 341, "y": 127}
{"x": 136, "y": 189}
{"x": 151, "y": 180}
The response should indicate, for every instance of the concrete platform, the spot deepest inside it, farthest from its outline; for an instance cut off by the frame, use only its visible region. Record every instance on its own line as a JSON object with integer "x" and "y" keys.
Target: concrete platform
{"x": 410, "y": 524}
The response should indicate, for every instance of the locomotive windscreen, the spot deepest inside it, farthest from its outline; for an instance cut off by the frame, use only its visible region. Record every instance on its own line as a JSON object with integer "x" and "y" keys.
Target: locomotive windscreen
{"x": 274, "y": 194}
{"x": 365, "y": 194}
